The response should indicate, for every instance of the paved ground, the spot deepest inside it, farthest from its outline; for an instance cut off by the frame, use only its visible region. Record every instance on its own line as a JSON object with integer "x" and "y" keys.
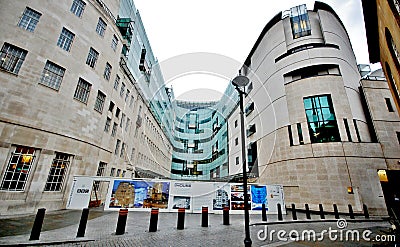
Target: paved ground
{"x": 60, "y": 228}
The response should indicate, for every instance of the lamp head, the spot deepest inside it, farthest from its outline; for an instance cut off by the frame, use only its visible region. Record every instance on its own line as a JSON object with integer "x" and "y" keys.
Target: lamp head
{"x": 240, "y": 81}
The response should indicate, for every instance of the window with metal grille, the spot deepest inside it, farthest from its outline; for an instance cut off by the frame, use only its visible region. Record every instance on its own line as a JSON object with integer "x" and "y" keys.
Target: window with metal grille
{"x": 52, "y": 75}
{"x": 114, "y": 130}
{"x": 82, "y": 91}
{"x": 300, "y": 21}
{"x": 123, "y": 150}
{"x": 29, "y": 19}
{"x": 78, "y": 6}
{"x": 321, "y": 119}
{"x": 108, "y": 125}
{"x": 92, "y": 57}
{"x": 107, "y": 72}
{"x": 18, "y": 169}
{"x": 100, "y": 99}
{"x": 12, "y": 58}
{"x": 112, "y": 172}
{"x": 101, "y": 27}
{"x": 57, "y": 173}
{"x": 114, "y": 42}
{"x": 117, "y": 147}
{"x": 65, "y": 40}
{"x": 121, "y": 93}
{"x": 127, "y": 95}
{"x": 116, "y": 83}
{"x": 122, "y": 120}
{"x": 100, "y": 172}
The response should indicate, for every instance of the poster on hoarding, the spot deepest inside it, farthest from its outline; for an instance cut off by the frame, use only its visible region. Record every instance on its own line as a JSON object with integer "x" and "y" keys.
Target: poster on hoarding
{"x": 79, "y": 196}
{"x": 258, "y": 197}
{"x": 221, "y": 198}
{"x": 237, "y": 196}
{"x": 180, "y": 195}
{"x": 203, "y": 193}
{"x": 139, "y": 194}
{"x": 275, "y": 196}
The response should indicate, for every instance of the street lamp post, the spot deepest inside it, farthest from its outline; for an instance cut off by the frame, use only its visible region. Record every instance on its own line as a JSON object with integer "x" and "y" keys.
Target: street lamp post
{"x": 240, "y": 82}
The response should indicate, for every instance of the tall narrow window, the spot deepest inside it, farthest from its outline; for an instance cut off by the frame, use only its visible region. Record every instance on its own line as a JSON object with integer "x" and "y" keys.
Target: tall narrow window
{"x": 82, "y": 91}
{"x": 18, "y": 169}
{"x": 237, "y": 160}
{"x": 299, "y": 21}
{"x": 389, "y": 105}
{"x": 321, "y": 119}
{"x": 398, "y": 136}
{"x": 114, "y": 129}
{"x": 101, "y": 27}
{"x": 12, "y": 58}
{"x": 116, "y": 83}
{"x": 127, "y": 95}
{"x": 29, "y": 19}
{"x": 122, "y": 120}
{"x": 100, "y": 99}
{"x": 100, "y": 172}
{"x": 52, "y": 75}
{"x": 108, "y": 124}
{"x": 300, "y": 133}
{"x": 131, "y": 101}
{"x": 114, "y": 42}
{"x": 117, "y": 147}
{"x": 357, "y": 132}
{"x": 57, "y": 173}
{"x": 65, "y": 39}
{"x": 92, "y": 57}
{"x": 128, "y": 121}
{"x": 123, "y": 150}
{"x": 107, "y": 72}
{"x": 112, "y": 172}
{"x": 78, "y": 6}
{"x": 346, "y": 126}
{"x": 121, "y": 93}
{"x": 236, "y": 141}
{"x": 290, "y": 135}
{"x": 111, "y": 106}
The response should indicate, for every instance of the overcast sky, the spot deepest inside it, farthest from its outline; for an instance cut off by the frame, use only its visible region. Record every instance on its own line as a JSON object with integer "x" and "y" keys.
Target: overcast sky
{"x": 229, "y": 28}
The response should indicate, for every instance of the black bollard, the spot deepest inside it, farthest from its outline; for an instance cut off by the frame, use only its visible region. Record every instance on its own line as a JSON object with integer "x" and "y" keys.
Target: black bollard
{"x": 321, "y": 211}
{"x": 366, "y": 214}
{"x": 37, "y": 225}
{"x": 279, "y": 212}
{"x": 351, "y": 211}
{"x": 82, "y": 223}
{"x": 122, "y": 216}
{"x": 264, "y": 213}
{"x": 335, "y": 210}
{"x": 204, "y": 216}
{"x": 153, "y": 220}
{"x": 226, "y": 215}
{"x": 294, "y": 215}
{"x": 181, "y": 219}
{"x": 308, "y": 215}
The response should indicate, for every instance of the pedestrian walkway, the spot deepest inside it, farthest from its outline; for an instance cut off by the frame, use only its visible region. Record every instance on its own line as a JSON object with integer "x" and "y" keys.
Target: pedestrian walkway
{"x": 100, "y": 231}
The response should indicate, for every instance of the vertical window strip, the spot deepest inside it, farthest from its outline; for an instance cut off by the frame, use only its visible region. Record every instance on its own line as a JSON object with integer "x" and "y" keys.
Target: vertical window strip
{"x": 346, "y": 126}
{"x": 29, "y": 19}
{"x": 52, "y": 75}
{"x": 290, "y": 135}
{"x": 357, "y": 132}
{"x": 300, "y": 133}
{"x": 389, "y": 105}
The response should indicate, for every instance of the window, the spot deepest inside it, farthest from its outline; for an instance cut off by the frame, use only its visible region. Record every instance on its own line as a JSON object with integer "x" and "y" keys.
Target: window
{"x": 251, "y": 130}
{"x": 65, "y": 39}
{"x": 57, "y": 173}
{"x": 346, "y": 126}
{"x": 92, "y": 57}
{"x": 117, "y": 147}
{"x": 101, "y": 169}
{"x": 249, "y": 108}
{"x": 121, "y": 93}
{"x": 123, "y": 173}
{"x": 118, "y": 172}
{"x": 107, "y": 72}
{"x": 237, "y": 160}
{"x": 321, "y": 119}
{"x": 300, "y": 133}
{"x": 127, "y": 95}
{"x": 236, "y": 123}
{"x": 108, "y": 125}
{"x": 101, "y": 27}
{"x": 389, "y": 105}
{"x": 236, "y": 141}
{"x": 122, "y": 120}
{"x": 290, "y": 135}
{"x": 398, "y": 136}
{"x": 114, "y": 42}
{"x": 114, "y": 130}
{"x": 357, "y": 132}
{"x": 12, "y": 58}
{"x": 117, "y": 112}
{"x": 52, "y": 75}
{"x": 123, "y": 150}
{"x": 18, "y": 169}
{"x": 249, "y": 88}
{"x": 128, "y": 121}
{"x": 100, "y": 99}
{"x": 29, "y": 19}
{"x": 132, "y": 154}
{"x": 131, "y": 102}
{"x": 116, "y": 83}
{"x": 111, "y": 107}
{"x": 112, "y": 172}
{"x": 78, "y": 6}
{"x": 299, "y": 21}
{"x": 82, "y": 91}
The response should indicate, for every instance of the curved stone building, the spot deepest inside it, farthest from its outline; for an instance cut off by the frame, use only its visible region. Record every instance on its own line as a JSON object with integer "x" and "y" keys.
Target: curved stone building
{"x": 307, "y": 116}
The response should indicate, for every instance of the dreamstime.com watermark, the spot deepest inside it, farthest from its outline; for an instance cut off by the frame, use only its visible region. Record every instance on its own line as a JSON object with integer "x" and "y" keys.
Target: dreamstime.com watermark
{"x": 340, "y": 234}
